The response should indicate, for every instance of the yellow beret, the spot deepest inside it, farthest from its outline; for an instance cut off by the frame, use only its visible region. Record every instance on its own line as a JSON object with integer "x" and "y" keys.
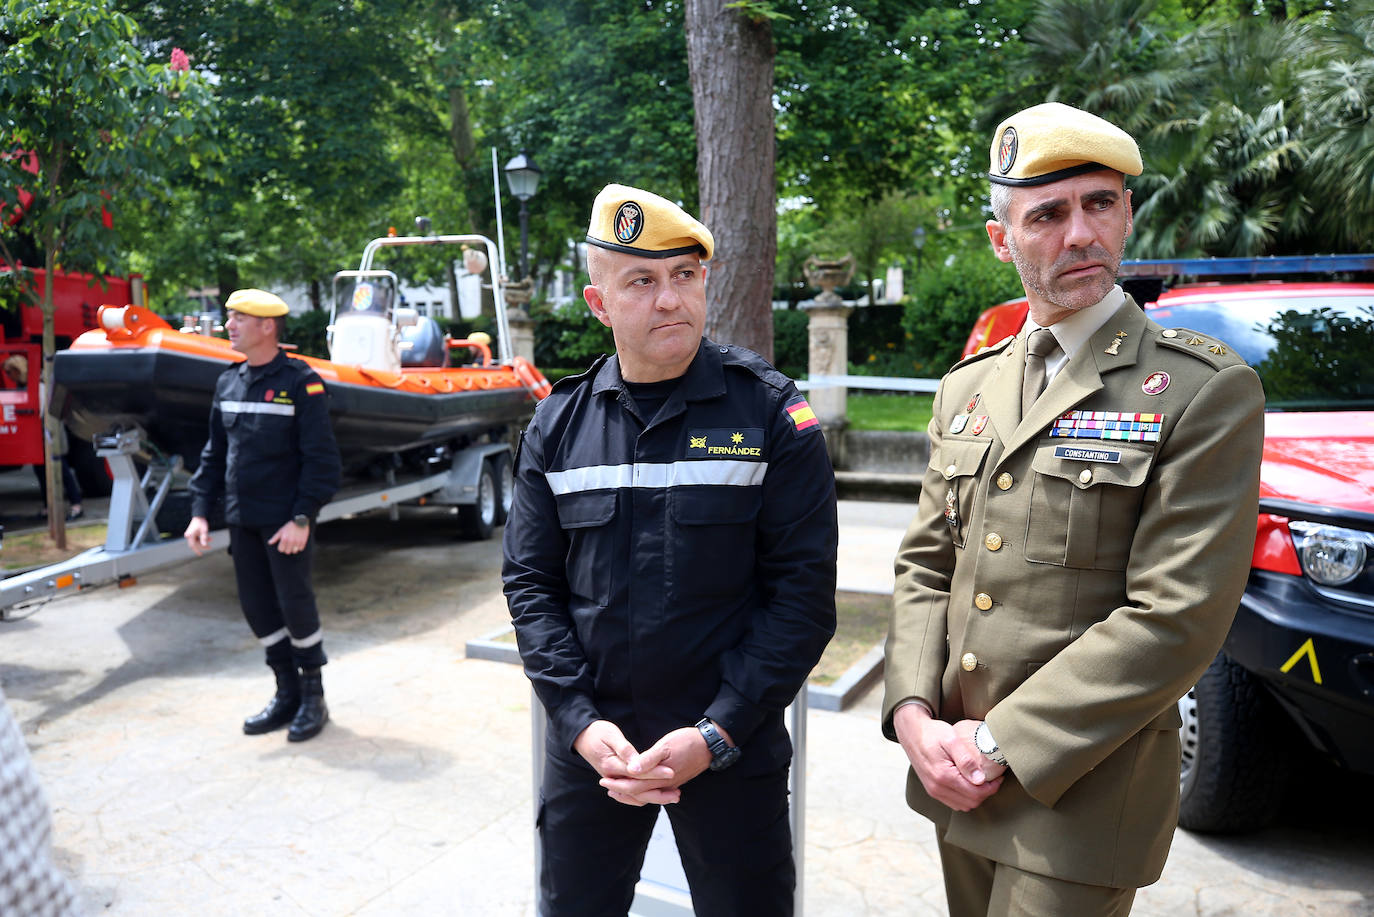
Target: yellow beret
{"x": 1048, "y": 142}
{"x": 256, "y": 302}
{"x": 640, "y": 223}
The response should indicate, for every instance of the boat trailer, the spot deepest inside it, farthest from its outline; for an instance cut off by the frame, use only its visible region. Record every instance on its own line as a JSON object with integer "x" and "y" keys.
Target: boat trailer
{"x": 476, "y": 480}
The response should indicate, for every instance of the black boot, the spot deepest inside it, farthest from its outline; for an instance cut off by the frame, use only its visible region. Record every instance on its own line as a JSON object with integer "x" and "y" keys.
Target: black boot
{"x": 313, "y": 714}
{"x": 283, "y": 705}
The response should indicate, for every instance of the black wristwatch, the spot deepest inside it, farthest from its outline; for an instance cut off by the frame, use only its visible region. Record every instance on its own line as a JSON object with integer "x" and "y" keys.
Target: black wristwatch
{"x": 302, "y": 520}
{"x": 723, "y": 754}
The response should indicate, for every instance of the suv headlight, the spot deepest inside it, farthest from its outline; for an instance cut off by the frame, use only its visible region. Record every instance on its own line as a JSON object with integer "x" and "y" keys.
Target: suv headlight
{"x": 1330, "y": 555}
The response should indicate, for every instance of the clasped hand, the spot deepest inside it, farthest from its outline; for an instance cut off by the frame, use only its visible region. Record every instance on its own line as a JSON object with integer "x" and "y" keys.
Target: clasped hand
{"x": 654, "y": 776}
{"x": 945, "y": 758}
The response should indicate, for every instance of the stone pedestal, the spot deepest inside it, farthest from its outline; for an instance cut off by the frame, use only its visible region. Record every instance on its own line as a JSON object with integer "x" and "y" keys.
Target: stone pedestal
{"x": 828, "y": 332}
{"x": 521, "y": 325}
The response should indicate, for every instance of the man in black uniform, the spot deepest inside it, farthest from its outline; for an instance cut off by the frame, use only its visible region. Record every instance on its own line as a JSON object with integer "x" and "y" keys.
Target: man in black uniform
{"x": 271, "y": 456}
{"x": 670, "y": 569}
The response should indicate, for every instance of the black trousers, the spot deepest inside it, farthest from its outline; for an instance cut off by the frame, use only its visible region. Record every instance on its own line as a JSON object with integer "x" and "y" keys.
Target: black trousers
{"x": 731, "y": 828}
{"x": 71, "y": 490}
{"x": 276, "y": 596}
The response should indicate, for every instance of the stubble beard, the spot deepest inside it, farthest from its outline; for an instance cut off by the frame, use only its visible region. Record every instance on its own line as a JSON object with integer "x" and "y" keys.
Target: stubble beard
{"x": 1071, "y": 298}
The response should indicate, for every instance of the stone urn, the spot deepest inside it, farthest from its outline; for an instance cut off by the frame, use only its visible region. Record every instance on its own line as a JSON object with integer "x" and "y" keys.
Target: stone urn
{"x": 474, "y": 260}
{"x": 519, "y": 292}
{"x": 827, "y": 275}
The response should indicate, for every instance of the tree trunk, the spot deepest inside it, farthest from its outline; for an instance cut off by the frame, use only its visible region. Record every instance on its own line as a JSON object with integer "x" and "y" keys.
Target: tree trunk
{"x": 57, "y": 519}
{"x": 731, "y": 61}
{"x": 227, "y": 276}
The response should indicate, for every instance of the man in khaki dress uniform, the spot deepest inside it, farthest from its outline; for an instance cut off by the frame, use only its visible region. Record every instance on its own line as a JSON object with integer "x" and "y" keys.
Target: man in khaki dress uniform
{"x": 1083, "y": 539}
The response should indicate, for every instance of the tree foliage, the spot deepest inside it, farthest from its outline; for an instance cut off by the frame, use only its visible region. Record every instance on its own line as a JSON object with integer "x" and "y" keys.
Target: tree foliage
{"x": 102, "y": 126}
{"x": 1254, "y": 124}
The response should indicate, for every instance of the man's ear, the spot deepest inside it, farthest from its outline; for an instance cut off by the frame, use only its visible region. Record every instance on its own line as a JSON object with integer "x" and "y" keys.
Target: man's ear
{"x": 593, "y": 297}
{"x": 997, "y": 235}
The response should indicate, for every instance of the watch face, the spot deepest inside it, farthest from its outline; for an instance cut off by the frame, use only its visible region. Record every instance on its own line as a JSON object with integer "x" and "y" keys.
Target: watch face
{"x": 726, "y": 758}
{"x": 983, "y": 739}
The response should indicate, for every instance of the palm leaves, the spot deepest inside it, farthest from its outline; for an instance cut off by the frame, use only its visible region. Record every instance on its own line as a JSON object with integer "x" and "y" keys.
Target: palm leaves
{"x": 1256, "y": 133}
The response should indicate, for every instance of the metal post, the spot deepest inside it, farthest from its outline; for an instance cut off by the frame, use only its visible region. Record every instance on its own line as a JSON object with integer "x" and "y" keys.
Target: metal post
{"x": 524, "y": 241}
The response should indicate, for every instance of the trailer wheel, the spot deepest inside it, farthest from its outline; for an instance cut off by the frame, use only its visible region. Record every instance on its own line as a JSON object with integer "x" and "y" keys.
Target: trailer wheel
{"x": 1235, "y": 752}
{"x": 477, "y": 520}
{"x": 505, "y": 486}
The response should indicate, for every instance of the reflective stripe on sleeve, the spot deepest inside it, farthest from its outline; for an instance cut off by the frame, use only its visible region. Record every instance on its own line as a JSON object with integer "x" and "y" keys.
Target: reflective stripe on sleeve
{"x": 256, "y": 407}
{"x": 656, "y": 475}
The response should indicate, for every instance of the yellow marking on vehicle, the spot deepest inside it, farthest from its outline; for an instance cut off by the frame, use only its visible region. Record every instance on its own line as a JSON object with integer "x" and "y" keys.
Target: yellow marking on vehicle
{"x": 1307, "y": 649}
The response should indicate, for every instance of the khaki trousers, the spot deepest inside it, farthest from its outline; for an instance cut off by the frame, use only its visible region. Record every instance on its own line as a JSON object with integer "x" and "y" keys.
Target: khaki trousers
{"x": 979, "y": 887}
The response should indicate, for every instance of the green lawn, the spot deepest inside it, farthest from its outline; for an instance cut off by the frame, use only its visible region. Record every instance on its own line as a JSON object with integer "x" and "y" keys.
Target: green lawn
{"x": 867, "y": 410}
{"x": 875, "y": 411}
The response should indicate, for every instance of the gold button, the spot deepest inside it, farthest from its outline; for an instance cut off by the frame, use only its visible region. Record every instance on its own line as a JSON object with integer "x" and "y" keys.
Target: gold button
{"x": 1086, "y": 476}
{"x": 969, "y": 662}
{"x": 983, "y": 601}
{"x": 1168, "y": 333}
{"x": 1004, "y": 481}
{"x": 949, "y": 471}
{"x": 993, "y": 541}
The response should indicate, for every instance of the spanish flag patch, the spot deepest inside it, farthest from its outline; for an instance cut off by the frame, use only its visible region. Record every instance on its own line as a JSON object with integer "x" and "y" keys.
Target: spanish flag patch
{"x": 802, "y": 415}
{"x": 314, "y": 388}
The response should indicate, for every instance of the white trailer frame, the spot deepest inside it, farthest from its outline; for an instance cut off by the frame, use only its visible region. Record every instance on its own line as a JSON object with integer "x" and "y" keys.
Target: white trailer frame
{"x": 134, "y": 546}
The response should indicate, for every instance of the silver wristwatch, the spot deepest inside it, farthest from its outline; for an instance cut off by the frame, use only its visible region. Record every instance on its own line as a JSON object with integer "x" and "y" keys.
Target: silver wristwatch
{"x": 987, "y": 745}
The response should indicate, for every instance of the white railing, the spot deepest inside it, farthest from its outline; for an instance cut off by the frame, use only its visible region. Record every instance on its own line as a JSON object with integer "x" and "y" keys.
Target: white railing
{"x": 879, "y": 383}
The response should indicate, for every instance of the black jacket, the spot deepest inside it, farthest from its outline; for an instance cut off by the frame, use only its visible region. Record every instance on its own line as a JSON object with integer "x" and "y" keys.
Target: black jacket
{"x": 663, "y": 569}
{"x": 271, "y": 451}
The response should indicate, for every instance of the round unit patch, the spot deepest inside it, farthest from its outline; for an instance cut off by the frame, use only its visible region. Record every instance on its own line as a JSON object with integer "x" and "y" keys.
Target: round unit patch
{"x": 1155, "y": 383}
{"x": 629, "y": 222}
{"x": 1006, "y": 152}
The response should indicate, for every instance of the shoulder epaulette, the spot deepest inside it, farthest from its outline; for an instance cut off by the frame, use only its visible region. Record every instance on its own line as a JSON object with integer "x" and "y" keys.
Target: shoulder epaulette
{"x": 987, "y": 350}
{"x": 746, "y": 359}
{"x": 577, "y": 378}
{"x": 1204, "y": 347}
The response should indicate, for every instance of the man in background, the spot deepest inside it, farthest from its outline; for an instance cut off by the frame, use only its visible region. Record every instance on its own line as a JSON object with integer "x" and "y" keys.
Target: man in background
{"x": 271, "y": 457}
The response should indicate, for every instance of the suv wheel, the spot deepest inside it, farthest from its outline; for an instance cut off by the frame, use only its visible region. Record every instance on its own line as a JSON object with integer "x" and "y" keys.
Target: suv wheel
{"x": 1235, "y": 761}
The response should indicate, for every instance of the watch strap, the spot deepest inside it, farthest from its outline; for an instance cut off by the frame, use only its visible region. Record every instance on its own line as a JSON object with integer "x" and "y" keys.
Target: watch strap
{"x": 723, "y": 754}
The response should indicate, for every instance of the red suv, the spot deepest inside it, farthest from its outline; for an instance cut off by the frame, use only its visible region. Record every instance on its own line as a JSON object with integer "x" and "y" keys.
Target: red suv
{"x": 1297, "y": 668}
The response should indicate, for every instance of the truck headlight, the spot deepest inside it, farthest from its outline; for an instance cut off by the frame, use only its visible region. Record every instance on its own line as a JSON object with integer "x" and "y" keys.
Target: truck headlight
{"x": 1330, "y": 555}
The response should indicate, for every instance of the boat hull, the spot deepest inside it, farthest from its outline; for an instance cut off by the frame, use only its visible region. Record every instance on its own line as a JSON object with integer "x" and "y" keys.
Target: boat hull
{"x": 168, "y": 393}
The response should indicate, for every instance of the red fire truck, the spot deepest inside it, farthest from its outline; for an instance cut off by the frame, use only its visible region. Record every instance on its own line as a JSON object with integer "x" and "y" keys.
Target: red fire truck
{"x": 76, "y": 297}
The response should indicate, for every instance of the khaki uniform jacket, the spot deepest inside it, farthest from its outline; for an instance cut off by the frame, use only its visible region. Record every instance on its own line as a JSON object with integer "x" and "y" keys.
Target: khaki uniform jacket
{"x": 1070, "y": 590}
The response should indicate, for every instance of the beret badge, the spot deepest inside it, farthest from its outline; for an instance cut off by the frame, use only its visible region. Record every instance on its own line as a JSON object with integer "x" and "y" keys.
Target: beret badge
{"x": 1006, "y": 151}
{"x": 629, "y": 222}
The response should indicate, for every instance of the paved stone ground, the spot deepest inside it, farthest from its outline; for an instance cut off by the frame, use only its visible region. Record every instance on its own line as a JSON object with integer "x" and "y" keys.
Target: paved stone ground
{"x": 416, "y": 799}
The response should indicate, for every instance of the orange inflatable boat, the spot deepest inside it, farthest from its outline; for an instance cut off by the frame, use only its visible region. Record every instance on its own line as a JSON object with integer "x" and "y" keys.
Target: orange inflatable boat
{"x": 397, "y": 385}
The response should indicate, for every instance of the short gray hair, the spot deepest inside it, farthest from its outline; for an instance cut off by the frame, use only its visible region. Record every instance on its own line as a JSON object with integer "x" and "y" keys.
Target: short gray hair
{"x": 1000, "y": 198}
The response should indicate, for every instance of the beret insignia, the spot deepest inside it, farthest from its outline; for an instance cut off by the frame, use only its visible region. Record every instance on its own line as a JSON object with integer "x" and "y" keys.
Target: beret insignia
{"x": 629, "y": 222}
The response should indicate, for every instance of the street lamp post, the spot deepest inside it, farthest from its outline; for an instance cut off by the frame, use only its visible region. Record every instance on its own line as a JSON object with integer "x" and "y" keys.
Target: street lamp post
{"x": 522, "y": 175}
{"x": 918, "y": 236}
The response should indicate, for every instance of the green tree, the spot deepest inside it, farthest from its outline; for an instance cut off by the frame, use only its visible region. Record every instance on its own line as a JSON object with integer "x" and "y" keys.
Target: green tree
{"x": 308, "y": 97}
{"x": 1340, "y": 110}
{"x": 1254, "y": 125}
{"x": 105, "y": 123}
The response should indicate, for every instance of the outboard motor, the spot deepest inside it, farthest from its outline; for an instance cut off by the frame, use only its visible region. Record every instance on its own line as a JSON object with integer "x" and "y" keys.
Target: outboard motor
{"x": 422, "y": 343}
